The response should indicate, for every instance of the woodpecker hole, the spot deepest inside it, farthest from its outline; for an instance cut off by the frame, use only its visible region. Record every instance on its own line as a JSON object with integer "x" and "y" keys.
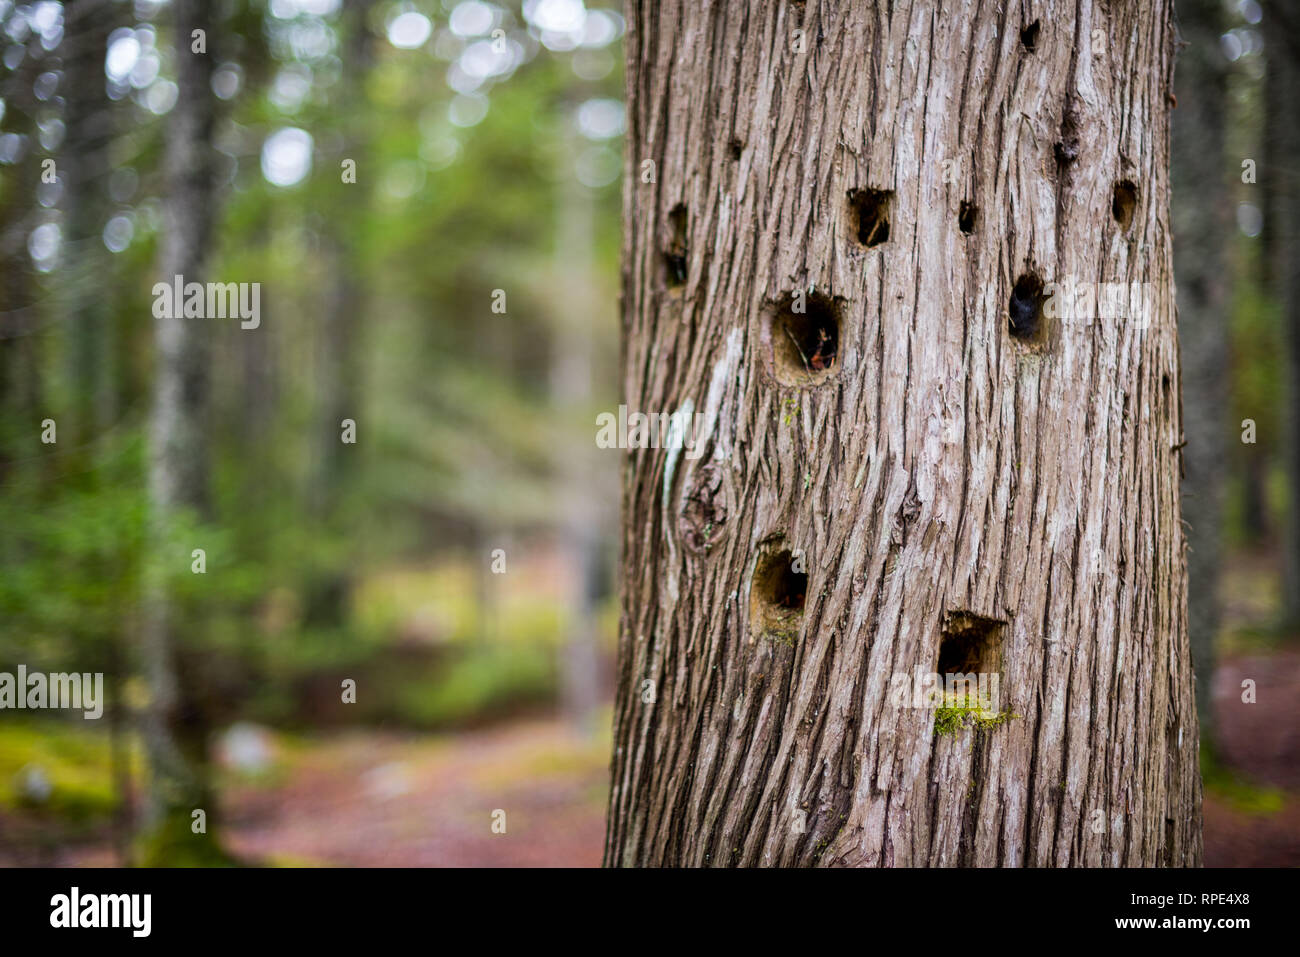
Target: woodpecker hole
{"x": 1066, "y": 149}
{"x": 970, "y": 644}
{"x": 675, "y": 252}
{"x": 870, "y": 208}
{"x": 1025, "y": 311}
{"x": 1123, "y": 203}
{"x": 803, "y": 334}
{"x": 966, "y": 215}
{"x": 778, "y": 594}
{"x": 1029, "y": 36}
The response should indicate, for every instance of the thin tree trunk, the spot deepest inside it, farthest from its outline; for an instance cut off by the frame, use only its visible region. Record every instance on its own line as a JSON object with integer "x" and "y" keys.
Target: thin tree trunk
{"x": 174, "y": 730}
{"x": 969, "y": 484}
{"x": 571, "y": 379}
{"x": 119, "y": 759}
{"x": 1281, "y": 180}
{"x": 339, "y": 347}
{"x": 1254, "y": 508}
{"x": 83, "y": 167}
{"x": 21, "y": 388}
{"x": 1202, "y": 224}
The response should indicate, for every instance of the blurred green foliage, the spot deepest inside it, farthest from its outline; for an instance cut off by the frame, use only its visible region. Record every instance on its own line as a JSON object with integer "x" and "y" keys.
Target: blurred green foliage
{"x": 460, "y": 179}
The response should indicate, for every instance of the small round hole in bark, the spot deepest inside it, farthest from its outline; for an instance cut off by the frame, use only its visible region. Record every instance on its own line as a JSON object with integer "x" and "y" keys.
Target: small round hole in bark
{"x": 1123, "y": 203}
{"x": 778, "y": 594}
{"x": 803, "y": 334}
{"x": 870, "y": 208}
{"x": 675, "y": 264}
{"x": 1029, "y": 36}
{"x": 1025, "y": 310}
{"x": 736, "y": 147}
{"x": 966, "y": 215}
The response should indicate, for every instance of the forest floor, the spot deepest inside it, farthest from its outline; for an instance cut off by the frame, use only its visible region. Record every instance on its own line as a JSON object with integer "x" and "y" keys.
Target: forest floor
{"x": 369, "y": 798}
{"x": 1252, "y": 789}
{"x": 374, "y": 799}
{"x": 380, "y": 798}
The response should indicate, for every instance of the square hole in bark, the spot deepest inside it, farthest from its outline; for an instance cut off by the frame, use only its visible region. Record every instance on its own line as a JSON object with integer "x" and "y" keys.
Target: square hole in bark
{"x": 870, "y": 209}
{"x": 1123, "y": 203}
{"x": 970, "y": 644}
{"x": 803, "y": 335}
{"x": 1025, "y": 318}
{"x": 966, "y": 215}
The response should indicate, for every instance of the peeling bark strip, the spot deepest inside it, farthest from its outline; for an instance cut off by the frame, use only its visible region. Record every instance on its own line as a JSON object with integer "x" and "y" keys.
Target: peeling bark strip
{"x": 945, "y": 473}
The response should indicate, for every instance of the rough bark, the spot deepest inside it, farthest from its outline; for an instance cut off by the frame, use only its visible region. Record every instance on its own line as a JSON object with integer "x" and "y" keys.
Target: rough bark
{"x": 941, "y": 472}
{"x": 174, "y": 729}
{"x": 1202, "y": 223}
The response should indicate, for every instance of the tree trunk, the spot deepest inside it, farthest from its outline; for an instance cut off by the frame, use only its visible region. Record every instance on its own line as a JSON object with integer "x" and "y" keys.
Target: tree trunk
{"x": 1202, "y": 224}
{"x": 328, "y": 587}
{"x": 175, "y": 732}
{"x": 22, "y": 389}
{"x": 970, "y": 483}
{"x": 84, "y": 164}
{"x": 572, "y": 362}
{"x": 1281, "y": 181}
{"x": 119, "y": 759}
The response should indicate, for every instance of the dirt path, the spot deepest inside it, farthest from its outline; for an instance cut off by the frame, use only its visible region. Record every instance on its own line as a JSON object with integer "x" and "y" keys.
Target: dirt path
{"x": 1260, "y": 742}
{"x": 370, "y": 799}
{"x": 373, "y": 799}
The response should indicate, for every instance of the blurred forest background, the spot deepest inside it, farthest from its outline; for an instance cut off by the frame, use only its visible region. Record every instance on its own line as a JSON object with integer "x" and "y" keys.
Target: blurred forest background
{"x": 428, "y": 193}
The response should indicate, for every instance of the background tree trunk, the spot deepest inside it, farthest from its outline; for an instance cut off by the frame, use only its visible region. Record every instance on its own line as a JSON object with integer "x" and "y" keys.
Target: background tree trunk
{"x": 175, "y": 732}
{"x": 572, "y": 366}
{"x": 22, "y": 389}
{"x": 1281, "y": 180}
{"x": 1201, "y": 226}
{"x": 328, "y": 588}
{"x": 1018, "y": 490}
{"x": 84, "y": 163}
